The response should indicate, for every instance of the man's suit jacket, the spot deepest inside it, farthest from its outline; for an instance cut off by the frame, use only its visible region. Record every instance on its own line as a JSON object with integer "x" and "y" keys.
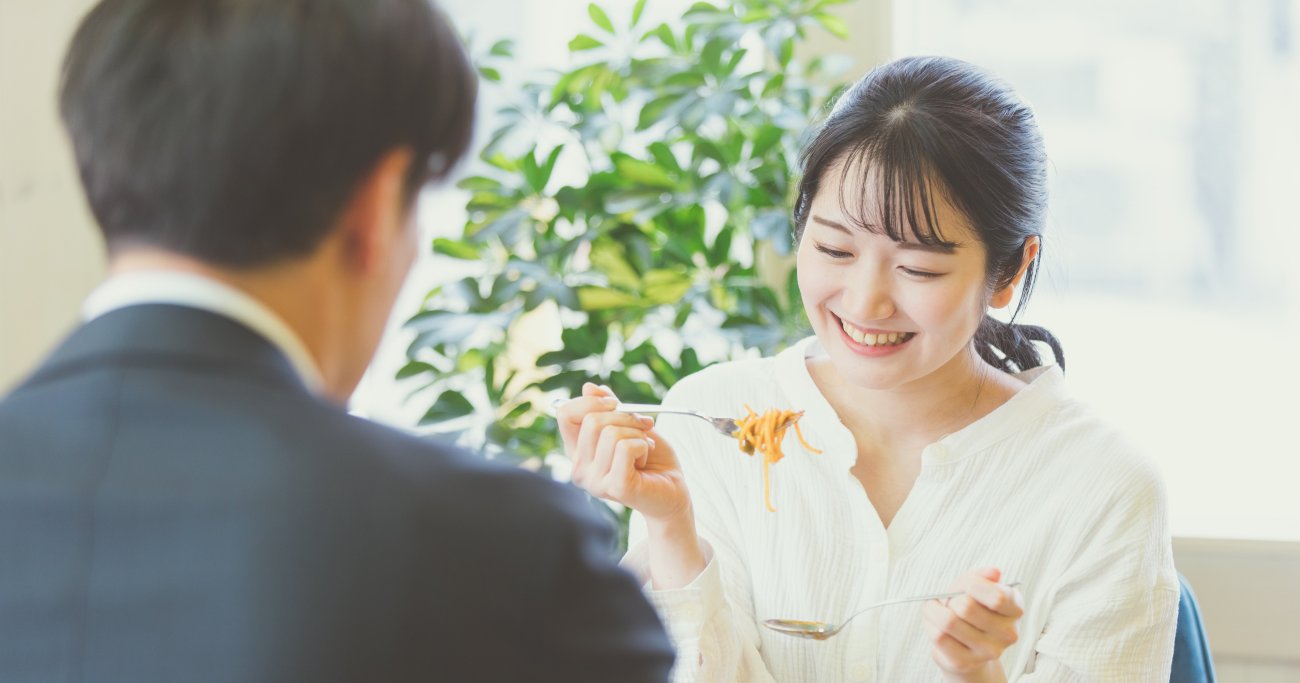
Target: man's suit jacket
{"x": 175, "y": 506}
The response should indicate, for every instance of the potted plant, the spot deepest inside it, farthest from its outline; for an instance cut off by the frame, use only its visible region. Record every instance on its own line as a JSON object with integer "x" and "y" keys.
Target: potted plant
{"x": 628, "y": 222}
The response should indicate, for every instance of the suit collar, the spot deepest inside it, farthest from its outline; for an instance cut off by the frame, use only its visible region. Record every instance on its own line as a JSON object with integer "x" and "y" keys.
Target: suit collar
{"x": 166, "y": 334}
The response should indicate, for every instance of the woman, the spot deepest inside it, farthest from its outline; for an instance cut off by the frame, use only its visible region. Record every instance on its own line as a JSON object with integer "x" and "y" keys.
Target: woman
{"x": 951, "y": 456}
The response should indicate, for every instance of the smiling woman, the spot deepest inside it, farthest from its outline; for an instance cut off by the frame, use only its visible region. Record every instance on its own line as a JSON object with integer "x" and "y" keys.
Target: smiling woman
{"x": 952, "y": 455}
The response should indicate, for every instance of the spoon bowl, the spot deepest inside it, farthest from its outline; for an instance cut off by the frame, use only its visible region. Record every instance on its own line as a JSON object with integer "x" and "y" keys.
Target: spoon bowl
{"x": 821, "y": 630}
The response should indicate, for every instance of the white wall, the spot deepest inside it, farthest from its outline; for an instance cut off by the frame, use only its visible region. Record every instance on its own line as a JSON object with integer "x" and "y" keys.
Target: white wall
{"x": 49, "y": 251}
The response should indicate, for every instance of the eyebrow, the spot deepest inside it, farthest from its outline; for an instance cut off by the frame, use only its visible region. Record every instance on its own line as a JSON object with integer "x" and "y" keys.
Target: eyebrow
{"x": 941, "y": 248}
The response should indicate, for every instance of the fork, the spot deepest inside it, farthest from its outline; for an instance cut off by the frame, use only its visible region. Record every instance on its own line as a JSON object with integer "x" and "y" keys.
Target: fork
{"x": 724, "y": 425}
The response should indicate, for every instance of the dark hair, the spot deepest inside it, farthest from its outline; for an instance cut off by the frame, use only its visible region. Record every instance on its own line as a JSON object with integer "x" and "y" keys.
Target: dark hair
{"x": 935, "y": 124}
{"x": 233, "y": 131}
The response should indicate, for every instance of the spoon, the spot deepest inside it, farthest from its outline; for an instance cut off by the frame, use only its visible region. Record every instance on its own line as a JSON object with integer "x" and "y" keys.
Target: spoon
{"x": 821, "y": 630}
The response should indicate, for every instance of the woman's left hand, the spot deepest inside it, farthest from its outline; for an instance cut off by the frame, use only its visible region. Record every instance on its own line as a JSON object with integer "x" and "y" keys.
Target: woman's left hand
{"x": 971, "y": 631}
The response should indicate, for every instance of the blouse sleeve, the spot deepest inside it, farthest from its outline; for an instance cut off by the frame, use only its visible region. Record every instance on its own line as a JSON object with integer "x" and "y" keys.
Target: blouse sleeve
{"x": 1115, "y": 610}
{"x": 711, "y": 621}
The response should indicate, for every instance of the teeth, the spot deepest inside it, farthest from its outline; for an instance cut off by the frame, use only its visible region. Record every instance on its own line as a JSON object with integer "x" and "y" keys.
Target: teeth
{"x": 854, "y": 333}
{"x": 860, "y": 337}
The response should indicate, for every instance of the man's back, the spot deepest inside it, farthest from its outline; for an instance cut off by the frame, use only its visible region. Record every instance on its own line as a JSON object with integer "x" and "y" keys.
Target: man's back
{"x": 175, "y": 506}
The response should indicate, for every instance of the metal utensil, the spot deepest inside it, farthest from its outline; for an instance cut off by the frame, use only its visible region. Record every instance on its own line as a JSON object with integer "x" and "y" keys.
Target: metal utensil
{"x": 821, "y": 630}
{"x": 725, "y": 425}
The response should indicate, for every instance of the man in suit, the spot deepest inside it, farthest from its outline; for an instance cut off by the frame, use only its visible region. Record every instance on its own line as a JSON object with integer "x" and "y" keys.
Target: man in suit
{"x": 182, "y": 495}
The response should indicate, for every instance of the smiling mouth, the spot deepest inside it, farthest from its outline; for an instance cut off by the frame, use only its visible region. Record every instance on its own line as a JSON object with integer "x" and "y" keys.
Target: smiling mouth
{"x": 878, "y": 339}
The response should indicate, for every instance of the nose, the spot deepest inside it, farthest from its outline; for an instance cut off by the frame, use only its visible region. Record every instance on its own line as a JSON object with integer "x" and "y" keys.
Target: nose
{"x": 868, "y": 298}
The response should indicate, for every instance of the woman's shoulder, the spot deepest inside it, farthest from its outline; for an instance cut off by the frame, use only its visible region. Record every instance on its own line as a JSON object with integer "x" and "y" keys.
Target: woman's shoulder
{"x": 1077, "y": 443}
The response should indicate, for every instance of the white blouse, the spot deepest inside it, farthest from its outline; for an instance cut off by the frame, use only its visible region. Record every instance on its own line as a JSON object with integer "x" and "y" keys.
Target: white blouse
{"x": 1039, "y": 487}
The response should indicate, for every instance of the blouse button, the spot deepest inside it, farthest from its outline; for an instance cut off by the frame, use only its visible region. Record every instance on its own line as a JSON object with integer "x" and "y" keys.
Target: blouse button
{"x": 861, "y": 672}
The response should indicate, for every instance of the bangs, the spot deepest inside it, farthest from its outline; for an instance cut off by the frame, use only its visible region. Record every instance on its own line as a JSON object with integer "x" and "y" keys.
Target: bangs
{"x": 896, "y": 179}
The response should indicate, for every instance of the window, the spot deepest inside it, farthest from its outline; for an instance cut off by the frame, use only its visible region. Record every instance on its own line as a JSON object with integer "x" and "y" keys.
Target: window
{"x": 1171, "y": 275}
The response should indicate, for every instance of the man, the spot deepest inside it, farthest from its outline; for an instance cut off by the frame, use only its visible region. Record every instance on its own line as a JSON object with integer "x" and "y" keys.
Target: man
{"x": 182, "y": 496}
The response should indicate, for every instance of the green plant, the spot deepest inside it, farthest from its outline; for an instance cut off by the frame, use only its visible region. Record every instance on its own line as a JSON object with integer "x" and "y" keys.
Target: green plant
{"x": 635, "y": 210}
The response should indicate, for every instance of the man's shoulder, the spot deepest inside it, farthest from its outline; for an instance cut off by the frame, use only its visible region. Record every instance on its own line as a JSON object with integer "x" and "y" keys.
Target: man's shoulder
{"x": 446, "y": 477}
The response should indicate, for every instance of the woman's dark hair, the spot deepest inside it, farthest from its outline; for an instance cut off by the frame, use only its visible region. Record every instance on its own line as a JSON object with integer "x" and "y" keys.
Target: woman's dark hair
{"x": 233, "y": 131}
{"x": 933, "y": 124}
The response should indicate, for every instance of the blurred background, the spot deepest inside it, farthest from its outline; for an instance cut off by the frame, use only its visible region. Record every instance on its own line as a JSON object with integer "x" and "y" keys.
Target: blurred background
{"x": 1170, "y": 259}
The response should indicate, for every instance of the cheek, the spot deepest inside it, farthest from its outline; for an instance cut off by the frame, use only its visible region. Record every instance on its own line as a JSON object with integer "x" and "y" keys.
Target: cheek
{"x": 953, "y": 306}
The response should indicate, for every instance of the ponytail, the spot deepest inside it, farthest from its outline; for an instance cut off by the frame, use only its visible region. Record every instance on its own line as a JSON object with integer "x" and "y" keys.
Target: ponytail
{"x": 1010, "y": 347}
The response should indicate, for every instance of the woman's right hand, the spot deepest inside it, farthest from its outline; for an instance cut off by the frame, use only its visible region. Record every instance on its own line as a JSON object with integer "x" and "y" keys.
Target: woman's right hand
{"x": 618, "y": 456}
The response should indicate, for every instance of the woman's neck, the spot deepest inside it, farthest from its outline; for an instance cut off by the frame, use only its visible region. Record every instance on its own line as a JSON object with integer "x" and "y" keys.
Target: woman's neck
{"x": 922, "y": 411}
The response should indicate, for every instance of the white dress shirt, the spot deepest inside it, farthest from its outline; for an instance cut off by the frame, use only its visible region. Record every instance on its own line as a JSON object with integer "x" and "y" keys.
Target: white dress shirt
{"x": 1039, "y": 487}
{"x": 196, "y": 291}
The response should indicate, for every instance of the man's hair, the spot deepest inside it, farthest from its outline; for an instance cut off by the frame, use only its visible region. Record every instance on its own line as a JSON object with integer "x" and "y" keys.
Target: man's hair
{"x": 233, "y": 131}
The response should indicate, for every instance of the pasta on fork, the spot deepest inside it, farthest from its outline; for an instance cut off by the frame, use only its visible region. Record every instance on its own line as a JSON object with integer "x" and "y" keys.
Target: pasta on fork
{"x": 764, "y": 432}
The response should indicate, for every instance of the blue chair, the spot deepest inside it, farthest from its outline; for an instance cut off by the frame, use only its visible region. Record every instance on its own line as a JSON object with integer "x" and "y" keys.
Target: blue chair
{"x": 1192, "y": 663}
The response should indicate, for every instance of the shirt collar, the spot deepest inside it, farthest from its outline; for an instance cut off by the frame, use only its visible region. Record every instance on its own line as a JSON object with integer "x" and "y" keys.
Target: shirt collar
{"x": 196, "y": 291}
{"x": 1045, "y": 390}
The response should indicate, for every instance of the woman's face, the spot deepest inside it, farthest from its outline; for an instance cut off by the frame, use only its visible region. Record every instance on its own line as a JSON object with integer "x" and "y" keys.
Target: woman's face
{"x": 889, "y": 314}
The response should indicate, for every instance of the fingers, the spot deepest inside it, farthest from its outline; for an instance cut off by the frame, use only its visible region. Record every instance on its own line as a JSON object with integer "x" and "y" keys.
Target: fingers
{"x": 999, "y": 598}
{"x": 598, "y": 439}
{"x": 621, "y": 481}
{"x": 570, "y": 413}
{"x": 974, "y": 629}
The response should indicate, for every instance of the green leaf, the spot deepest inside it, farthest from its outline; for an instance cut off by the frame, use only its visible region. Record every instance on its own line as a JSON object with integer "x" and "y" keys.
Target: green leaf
{"x": 609, "y": 258}
{"x": 720, "y": 252}
{"x": 584, "y": 42}
{"x": 643, "y": 173}
{"x": 455, "y": 249}
{"x": 449, "y": 406}
{"x": 562, "y": 356}
{"x": 773, "y": 85}
{"x": 533, "y": 175}
{"x": 479, "y": 184}
{"x": 665, "y": 36}
{"x": 603, "y": 298}
{"x": 711, "y": 55}
{"x": 636, "y": 13}
{"x": 657, "y": 109}
{"x": 664, "y": 157}
{"x": 767, "y": 137}
{"x": 835, "y": 25}
{"x": 518, "y": 412}
{"x": 471, "y": 359}
{"x": 549, "y": 166}
{"x": 414, "y": 368}
{"x": 665, "y": 286}
{"x": 502, "y": 48}
{"x": 490, "y": 73}
{"x": 598, "y": 15}
{"x": 569, "y": 379}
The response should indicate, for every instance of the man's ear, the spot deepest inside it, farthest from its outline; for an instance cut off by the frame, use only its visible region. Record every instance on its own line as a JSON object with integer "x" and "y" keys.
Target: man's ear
{"x": 375, "y": 213}
{"x": 1002, "y": 297}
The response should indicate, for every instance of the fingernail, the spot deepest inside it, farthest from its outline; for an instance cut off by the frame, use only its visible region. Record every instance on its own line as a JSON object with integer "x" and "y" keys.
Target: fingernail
{"x": 606, "y": 388}
{"x": 650, "y": 443}
{"x": 647, "y": 421}
{"x": 608, "y": 401}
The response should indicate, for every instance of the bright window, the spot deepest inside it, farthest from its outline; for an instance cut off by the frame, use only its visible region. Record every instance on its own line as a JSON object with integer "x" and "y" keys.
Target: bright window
{"x": 1172, "y": 278}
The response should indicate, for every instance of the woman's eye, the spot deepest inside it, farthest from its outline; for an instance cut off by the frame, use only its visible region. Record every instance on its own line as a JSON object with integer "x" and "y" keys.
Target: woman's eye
{"x": 918, "y": 273}
{"x": 833, "y": 253}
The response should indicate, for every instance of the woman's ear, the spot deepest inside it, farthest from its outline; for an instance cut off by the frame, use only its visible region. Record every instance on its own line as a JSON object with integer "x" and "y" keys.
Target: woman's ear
{"x": 375, "y": 212}
{"x": 1002, "y": 297}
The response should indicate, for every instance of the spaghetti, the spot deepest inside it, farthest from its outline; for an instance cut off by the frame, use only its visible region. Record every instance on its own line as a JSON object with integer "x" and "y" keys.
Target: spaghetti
{"x": 765, "y": 433}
